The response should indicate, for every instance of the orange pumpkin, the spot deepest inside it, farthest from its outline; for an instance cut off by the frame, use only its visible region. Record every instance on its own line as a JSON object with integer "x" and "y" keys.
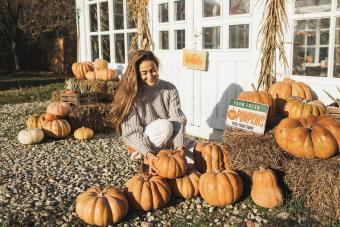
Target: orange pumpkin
{"x": 59, "y": 109}
{"x": 59, "y": 128}
{"x": 33, "y": 122}
{"x": 100, "y": 64}
{"x": 171, "y": 164}
{"x": 103, "y": 75}
{"x": 301, "y": 108}
{"x": 80, "y": 69}
{"x": 50, "y": 117}
{"x": 209, "y": 156}
{"x": 83, "y": 133}
{"x": 221, "y": 188}
{"x": 313, "y": 137}
{"x": 102, "y": 207}
{"x": 187, "y": 186}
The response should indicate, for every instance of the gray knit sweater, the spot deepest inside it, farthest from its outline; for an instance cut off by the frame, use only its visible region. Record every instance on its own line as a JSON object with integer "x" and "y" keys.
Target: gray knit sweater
{"x": 158, "y": 102}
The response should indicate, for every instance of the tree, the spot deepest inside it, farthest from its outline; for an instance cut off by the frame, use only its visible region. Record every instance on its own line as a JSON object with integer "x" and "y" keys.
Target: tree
{"x": 31, "y": 19}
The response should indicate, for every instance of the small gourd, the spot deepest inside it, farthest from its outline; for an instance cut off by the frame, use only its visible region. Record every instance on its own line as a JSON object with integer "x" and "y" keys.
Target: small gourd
{"x": 83, "y": 133}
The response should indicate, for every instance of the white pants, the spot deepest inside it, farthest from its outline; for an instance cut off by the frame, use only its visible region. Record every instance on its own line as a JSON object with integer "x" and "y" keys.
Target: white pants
{"x": 159, "y": 133}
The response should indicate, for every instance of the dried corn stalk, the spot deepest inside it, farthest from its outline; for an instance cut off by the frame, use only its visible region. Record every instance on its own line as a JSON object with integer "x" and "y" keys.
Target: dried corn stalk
{"x": 272, "y": 30}
{"x": 139, "y": 15}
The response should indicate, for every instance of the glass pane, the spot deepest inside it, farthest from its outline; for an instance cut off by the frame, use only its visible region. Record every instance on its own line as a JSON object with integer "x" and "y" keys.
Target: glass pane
{"x": 180, "y": 10}
{"x": 311, "y": 38}
{"x": 324, "y": 37}
{"x": 311, "y": 6}
{"x": 211, "y": 8}
{"x": 106, "y": 47}
{"x": 239, "y": 36}
{"x": 104, "y": 16}
{"x": 163, "y": 13}
{"x": 129, "y": 40}
{"x": 300, "y": 25}
{"x": 239, "y": 7}
{"x": 93, "y": 18}
{"x": 119, "y": 48}
{"x": 130, "y": 22}
{"x": 323, "y": 57}
{"x": 324, "y": 23}
{"x": 211, "y": 38}
{"x": 94, "y": 47}
{"x": 338, "y": 5}
{"x": 298, "y": 60}
{"x": 299, "y": 38}
{"x": 336, "y": 70}
{"x": 179, "y": 39}
{"x": 164, "y": 40}
{"x": 118, "y": 14}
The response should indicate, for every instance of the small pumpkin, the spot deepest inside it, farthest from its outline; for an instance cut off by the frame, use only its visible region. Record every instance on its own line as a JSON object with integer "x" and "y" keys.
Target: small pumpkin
{"x": 187, "y": 186}
{"x": 261, "y": 97}
{"x": 301, "y": 108}
{"x": 50, "y": 117}
{"x": 171, "y": 164}
{"x": 209, "y": 156}
{"x": 102, "y": 207}
{"x": 59, "y": 109}
{"x": 31, "y": 136}
{"x": 313, "y": 137}
{"x": 146, "y": 192}
{"x": 83, "y": 133}
{"x": 80, "y": 69}
{"x": 221, "y": 188}
{"x": 100, "y": 64}
{"x": 33, "y": 121}
{"x": 265, "y": 191}
{"x": 106, "y": 74}
{"x": 59, "y": 128}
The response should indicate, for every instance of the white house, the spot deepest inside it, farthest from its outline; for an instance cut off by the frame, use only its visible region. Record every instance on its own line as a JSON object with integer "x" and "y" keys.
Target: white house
{"x": 228, "y": 31}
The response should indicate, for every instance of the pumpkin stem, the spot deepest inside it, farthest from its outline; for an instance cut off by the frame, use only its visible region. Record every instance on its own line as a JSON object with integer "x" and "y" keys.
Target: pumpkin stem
{"x": 253, "y": 86}
{"x": 143, "y": 171}
{"x": 262, "y": 168}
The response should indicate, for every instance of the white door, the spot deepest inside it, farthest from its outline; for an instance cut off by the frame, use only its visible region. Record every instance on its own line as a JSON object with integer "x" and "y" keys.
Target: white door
{"x": 224, "y": 29}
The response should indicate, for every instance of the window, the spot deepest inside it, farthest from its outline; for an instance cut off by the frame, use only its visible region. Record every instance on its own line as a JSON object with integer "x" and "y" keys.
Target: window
{"x": 211, "y": 38}
{"x": 179, "y": 39}
{"x": 163, "y": 13}
{"x": 211, "y": 8}
{"x": 180, "y": 10}
{"x": 313, "y": 53}
{"x": 164, "y": 40}
{"x": 239, "y": 36}
{"x": 239, "y": 7}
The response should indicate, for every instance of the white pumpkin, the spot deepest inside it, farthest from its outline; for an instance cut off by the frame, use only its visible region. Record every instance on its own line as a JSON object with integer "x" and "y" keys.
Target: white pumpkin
{"x": 159, "y": 131}
{"x": 30, "y": 136}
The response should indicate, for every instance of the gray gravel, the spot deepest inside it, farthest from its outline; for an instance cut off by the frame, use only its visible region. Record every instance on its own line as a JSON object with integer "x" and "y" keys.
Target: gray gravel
{"x": 39, "y": 183}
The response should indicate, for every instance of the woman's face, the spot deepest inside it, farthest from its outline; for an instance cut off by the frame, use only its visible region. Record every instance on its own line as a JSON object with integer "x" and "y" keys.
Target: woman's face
{"x": 149, "y": 72}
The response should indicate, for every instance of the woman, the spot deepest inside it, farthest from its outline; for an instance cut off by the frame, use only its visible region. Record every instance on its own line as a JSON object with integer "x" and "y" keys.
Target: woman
{"x": 147, "y": 109}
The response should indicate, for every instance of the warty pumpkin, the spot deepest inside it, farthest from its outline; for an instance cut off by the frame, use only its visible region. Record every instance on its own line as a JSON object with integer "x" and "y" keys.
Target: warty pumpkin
{"x": 209, "y": 156}
{"x": 146, "y": 192}
{"x": 265, "y": 190}
{"x": 33, "y": 121}
{"x": 59, "y": 128}
{"x": 100, "y": 64}
{"x": 171, "y": 164}
{"x": 221, "y": 188}
{"x": 30, "y": 136}
{"x": 297, "y": 107}
{"x": 80, "y": 69}
{"x": 313, "y": 137}
{"x": 102, "y": 207}
{"x": 187, "y": 186}
{"x": 59, "y": 109}
{"x": 83, "y": 133}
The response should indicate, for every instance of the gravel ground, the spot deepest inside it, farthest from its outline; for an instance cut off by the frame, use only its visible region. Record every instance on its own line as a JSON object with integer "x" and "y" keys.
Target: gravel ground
{"x": 39, "y": 183}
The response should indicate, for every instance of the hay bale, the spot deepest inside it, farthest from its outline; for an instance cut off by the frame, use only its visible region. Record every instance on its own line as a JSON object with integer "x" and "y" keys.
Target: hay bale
{"x": 319, "y": 181}
{"x": 94, "y": 116}
{"x": 248, "y": 151}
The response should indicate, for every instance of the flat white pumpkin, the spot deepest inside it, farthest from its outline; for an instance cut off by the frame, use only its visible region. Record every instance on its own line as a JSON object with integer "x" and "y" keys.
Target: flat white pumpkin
{"x": 30, "y": 136}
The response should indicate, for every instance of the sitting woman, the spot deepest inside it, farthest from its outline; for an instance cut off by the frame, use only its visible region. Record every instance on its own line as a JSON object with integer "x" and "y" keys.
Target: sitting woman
{"x": 147, "y": 110}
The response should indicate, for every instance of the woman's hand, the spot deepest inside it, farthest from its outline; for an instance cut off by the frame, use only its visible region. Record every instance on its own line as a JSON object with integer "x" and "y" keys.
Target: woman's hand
{"x": 181, "y": 149}
{"x": 151, "y": 158}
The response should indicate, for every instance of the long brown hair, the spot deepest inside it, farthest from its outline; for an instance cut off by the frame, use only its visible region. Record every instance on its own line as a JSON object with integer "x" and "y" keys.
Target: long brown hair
{"x": 128, "y": 88}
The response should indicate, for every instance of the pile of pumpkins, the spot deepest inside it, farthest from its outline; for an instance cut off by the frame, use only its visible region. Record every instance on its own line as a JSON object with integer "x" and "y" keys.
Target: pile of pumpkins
{"x": 213, "y": 179}
{"x": 306, "y": 131}
{"x": 97, "y": 70}
{"x": 51, "y": 124}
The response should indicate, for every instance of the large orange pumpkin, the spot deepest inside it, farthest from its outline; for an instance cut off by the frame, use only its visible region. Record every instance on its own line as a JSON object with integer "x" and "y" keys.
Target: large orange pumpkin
{"x": 301, "y": 108}
{"x": 34, "y": 121}
{"x": 209, "y": 156}
{"x": 171, "y": 164}
{"x": 187, "y": 186}
{"x": 314, "y": 137}
{"x": 261, "y": 97}
{"x": 221, "y": 188}
{"x": 80, "y": 69}
{"x": 146, "y": 192}
{"x": 59, "y": 109}
{"x": 59, "y": 128}
{"x": 102, "y": 207}
{"x": 282, "y": 90}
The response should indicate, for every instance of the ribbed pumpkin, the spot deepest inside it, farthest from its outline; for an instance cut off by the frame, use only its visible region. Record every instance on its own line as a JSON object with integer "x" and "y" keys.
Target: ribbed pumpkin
{"x": 59, "y": 109}
{"x": 171, "y": 164}
{"x": 50, "y": 117}
{"x": 187, "y": 186}
{"x": 100, "y": 64}
{"x": 103, "y": 75}
{"x": 91, "y": 75}
{"x": 221, "y": 188}
{"x": 102, "y": 207}
{"x": 209, "y": 156}
{"x": 261, "y": 97}
{"x": 301, "y": 108}
{"x": 146, "y": 192}
{"x": 314, "y": 137}
{"x": 59, "y": 128}
{"x": 80, "y": 69}
{"x": 30, "y": 136}
{"x": 83, "y": 133}
{"x": 284, "y": 89}
{"x": 265, "y": 191}
{"x": 33, "y": 121}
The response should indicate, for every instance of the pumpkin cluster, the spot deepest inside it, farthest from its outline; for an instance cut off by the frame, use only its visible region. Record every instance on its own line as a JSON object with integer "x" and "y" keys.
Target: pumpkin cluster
{"x": 97, "y": 70}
